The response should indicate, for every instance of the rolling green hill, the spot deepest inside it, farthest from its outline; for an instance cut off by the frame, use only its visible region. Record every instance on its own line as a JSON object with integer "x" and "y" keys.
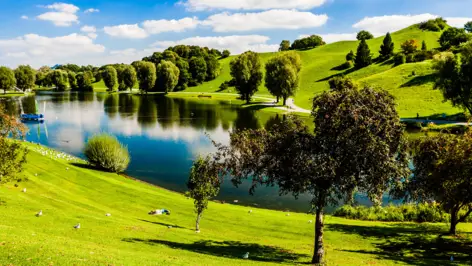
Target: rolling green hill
{"x": 69, "y": 194}
{"x": 417, "y": 96}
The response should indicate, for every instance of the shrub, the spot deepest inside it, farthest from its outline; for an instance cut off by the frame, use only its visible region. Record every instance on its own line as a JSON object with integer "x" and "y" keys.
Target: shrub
{"x": 224, "y": 86}
{"x": 410, "y": 58}
{"x": 422, "y": 55}
{"x": 433, "y": 24}
{"x": 399, "y": 59}
{"x": 106, "y": 152}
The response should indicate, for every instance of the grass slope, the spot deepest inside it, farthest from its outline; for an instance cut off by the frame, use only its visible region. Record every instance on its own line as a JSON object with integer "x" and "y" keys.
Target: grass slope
{"x": 319, "y": 64}
{"x": 131, "y": 237}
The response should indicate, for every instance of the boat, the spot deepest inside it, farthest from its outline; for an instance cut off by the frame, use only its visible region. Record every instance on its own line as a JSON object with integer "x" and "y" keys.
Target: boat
{"x": 32, "y": 117}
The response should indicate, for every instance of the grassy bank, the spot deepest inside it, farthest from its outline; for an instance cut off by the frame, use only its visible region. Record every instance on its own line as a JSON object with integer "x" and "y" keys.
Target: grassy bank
{"x": 69, "y": 194}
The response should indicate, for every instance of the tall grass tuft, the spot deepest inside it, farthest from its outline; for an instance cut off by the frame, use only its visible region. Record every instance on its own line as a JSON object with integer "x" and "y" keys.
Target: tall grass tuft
{"x": 106, "y": 152}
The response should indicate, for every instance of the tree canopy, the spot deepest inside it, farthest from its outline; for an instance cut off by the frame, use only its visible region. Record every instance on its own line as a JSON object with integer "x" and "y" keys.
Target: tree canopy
{"x": 468, "y": 26}
{"x": 282, "y": 75}
{"x": 59, "y": 79}
{"x": 309, "y": 42}
{"x": 284, "y": 46}
{"x": 246, "y": 70}
{"x": 167, "y": 76}
{"x": 146, "y": 72}
{"x": 453, "y": 37}
{"x": 409, "y": 46}
{"x": 25, "y": 77}
{"x": 198, "y": 70}
{"x": 7, "y": 79}
{"x": 84, "y": 81}
{"x": 363, "y": 56}
{"x": 364, "y": 35}
{"x": 387, "y": 47}
{"x": 110, "y": 77}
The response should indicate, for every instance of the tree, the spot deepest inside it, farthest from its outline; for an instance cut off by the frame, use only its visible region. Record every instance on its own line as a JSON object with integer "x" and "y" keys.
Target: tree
{"x": 349, "y": 148}
{"x": 442, "y": 166}
{"x": 226, "y": 53}
{"x": 350, "y": 56}
{"x": 453, "y": 37}
{"x": 129, "y": 77}
{"x": 59, "y": 79}
{"x": 84, "y": 81}
{"x": 387, "y": 48}
{"x": 25, "y": 77}
{"x": 12, "y": 153}
{"x": 7, "y": 79}
{"x": 364, "y": 35}
{"x": 146, "y": 72}
{"x": 310, "y": 42}
{"x": 282, "y": 75}
{"x": 40, "y": 79}
{"x": 246, "y": 71}
{"x": 363, "y": 56}
{"x": 184, "y": 76}
{"x": 454, "y": 79}
{"x": 110, "y": 77}
{"x": 167, "y": 76}
{"x": 198, "y": 70}
{"x": 284, "y": 46}
{"x": 97, "y": 75}
{"x": 468, "y": 26}
{"x": 424, "y": 47}
{"x": 203, "y": 184}
{"x": 213, "y": 67}
{"x": 72, "y": 80}
{"x": 409, "y": 46}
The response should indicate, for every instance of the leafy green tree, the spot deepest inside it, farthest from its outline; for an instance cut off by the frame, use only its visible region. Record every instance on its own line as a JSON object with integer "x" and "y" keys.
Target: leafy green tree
{"x": 198, "y": 70}
{"x": 97, "y": 75}
{"x": 284, "y": 46}
{"x": 25, "y": 77}
{"x": 7, "y": 79}
{"x": 282, "y": 75}
{"x": 454, "y": 79}
{"x": 442, "y": 165}
{"x": 437, "y": 24}
{"x": 12, "y": 153}
{"x": 424, "y": 47}
{"x": 409, "y": 46}
{"x": 350, "y": 56}
{"x": 310, "y": 42}
{"x": 453, "y": 37}
{"x": 40, "y": 79}
{"x": 72, "y": 80}
{"x": 182, "y": 50}
{"x": 167, "y": 76}
{"x": 364, "y": 35}
{"x": 468, "y": 27}
{"x": 106, "y": 152}
{"x": 59, "y": 79}
{"x": 184, "y": 76}
{"x": 213, "y": 67}
{"x": 84, "y": 81}
{"x": 146, "y": 72}
{"x": 363, "y": 56}
{"x": 129, "y": 77}
{"x": 110, "y": 77}
{"x": 246, "y": 70}
{"x": 203, "y": 184}
{"x": 226, "y": 53}
{"x": 387, "y": 48}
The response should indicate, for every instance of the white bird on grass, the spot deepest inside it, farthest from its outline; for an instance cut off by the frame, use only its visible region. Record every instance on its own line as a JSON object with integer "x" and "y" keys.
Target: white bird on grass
{"x": 77, "y": 226}
{"x": 107, "y": 214}
{"x": 246, "y": 256}
{"x": 24, "y": 190}
{"x": 288, "y": 214}
{"x": 250, "y": 211}
{"x": 40, "y": 213}
{"x": 310, "y": 221}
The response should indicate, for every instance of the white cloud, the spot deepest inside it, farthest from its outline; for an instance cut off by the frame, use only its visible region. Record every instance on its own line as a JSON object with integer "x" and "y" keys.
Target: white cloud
{"x": 336, "y": 37}
{"x": 272, "y": 19}
{"x": 87, "y": 29}
{"x": 164, "y": 25}
{"x": 24, "y": 17}
{"x": 457, "y": 21}
{"x": 62, "y": 16}
{"x": 200, "y": 5}
{"x": 92, "y": 35}
{"x": 383, "y": 24}
{"x": 130, "y": 31}
{"x": 92, "y": 10}
{"x": 40, "y": 50}
{"x": 235, "y": 43}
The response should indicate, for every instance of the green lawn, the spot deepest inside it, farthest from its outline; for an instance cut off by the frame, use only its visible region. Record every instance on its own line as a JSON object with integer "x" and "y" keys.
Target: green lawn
{"x": 69, "y": 194}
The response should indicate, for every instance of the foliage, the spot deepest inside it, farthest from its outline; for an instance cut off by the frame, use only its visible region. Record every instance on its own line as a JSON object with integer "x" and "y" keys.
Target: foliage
{"x": 424, "y": 47}
{"x": 128, "y": 77}
{"x": 40, "y": 79}
{"x": 341, "y": 83}
{"x": 203, "y": 184}
{"x": 25, "y": 77}
{"x": 97, "y": 75}
{"x": 198, "y": 70}
{"x": 363, "y": 56}
{"x": 225, "y": 54}
{"x": 184, "y": 76}
{"x": 84, "y": 81}
{"x": 59, "y": 79}
{"x": 453, "y": 37}
{"x": 224, "y": 86}
{"x": 110, "y": 77}
{"x": 454, "y": 79}
{"x": 409, "y": 46}
{"x": 437, "y": 24}
{"x": 71, "y": 76}
{"x": 310, "y": 42}
{"x": 70, "y": 68}
{"x": 364, "y": 35}
{"x": 284, "y": 46}
{"x": 146, "y": 72}
{"x": 442, "y": 165}
{"x": 7, "y": 79}
{"x": 423, "y": 55}
{"x": 468, "y": 27}
{"x": 282, "y": 75}
{"x": 387, "y": 48}
{"x": 246, "y": 70}
{"x": 106, "y": 152}
{"x": 12, "y": 153}
{"x": 350, "y": 56}
{"x": 167, "y": 76}
{"x": 213, "y": 67}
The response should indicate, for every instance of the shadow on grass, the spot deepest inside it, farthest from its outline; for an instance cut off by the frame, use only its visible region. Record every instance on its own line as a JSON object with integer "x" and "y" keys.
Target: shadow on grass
{"x": 228, "y": 249}
{"x": 162, "y": 224}
{"x": 338, "y": 74}
{"x": 86, "y": 166}
{"x": 455, "y": 117}
{"x": 419, "y": 80}
{"x": 416, "y": 244}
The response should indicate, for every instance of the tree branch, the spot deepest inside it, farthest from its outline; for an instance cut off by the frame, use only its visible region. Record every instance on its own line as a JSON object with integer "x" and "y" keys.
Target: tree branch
{"x": 462, "y": 219}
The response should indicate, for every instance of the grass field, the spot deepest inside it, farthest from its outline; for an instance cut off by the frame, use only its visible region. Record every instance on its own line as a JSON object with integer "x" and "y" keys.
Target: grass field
{"x": 70, "y": 194}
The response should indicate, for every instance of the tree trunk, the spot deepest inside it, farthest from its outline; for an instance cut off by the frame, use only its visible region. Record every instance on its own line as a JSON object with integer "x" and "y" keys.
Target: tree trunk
{"x": 278, "y": 99}
{"x": 452, "y": 229}
{"x": 318, "y": 256}
{"x": 248, "y": 99}
{"x": 285, "y": 100}
{"x": 350, "y": 200}
{"x": 197, "y": 225}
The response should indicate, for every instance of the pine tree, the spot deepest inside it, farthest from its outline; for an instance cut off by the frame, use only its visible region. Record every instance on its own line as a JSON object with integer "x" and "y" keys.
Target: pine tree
{"x": 424, "y": 47}
{"x": 386, "y": 49}
{"x": 363, "y": 56}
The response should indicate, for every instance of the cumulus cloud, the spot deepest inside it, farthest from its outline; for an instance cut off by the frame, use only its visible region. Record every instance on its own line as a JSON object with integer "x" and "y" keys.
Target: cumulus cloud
{"x": 24, "y": 17}
{"x": 164, "y": 25}
{"x": 336, "y": 37}
{"x": 92, "y": 10}
{"x": 457, "y": 22}
{"x": 88, "y": 29}
{"x": 200, "y": 5}
{"x": 272, "y": 19}
{"x": 383, "y": 24}
{"x": 235, "y": 43}
{"x": 129, "y": 31}
{"x": 40, "y": 50}
{"x": 64, "y": 15}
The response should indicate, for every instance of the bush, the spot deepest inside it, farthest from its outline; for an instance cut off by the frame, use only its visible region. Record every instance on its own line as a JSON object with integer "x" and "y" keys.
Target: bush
{"x": 399, "y": 59}
{"x": 106, "y": 152}
{"x": 410, "y": 58}
{"x": 421, "y": 56}
{"x": 346, "y": 65}
{"x": 433, "y": 25}
{"x": 224, "y": 86}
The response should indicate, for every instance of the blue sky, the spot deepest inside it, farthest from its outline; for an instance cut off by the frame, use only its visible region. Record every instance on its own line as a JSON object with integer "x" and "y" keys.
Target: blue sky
{"x": 113, "y": 31}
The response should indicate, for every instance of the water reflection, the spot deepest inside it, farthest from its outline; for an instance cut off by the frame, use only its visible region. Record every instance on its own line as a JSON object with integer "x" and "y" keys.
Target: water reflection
{"x": 163, "y": 134}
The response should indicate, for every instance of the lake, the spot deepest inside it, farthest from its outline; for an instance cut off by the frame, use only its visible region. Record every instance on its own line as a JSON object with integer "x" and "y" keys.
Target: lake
{"x": 163, "y": 135}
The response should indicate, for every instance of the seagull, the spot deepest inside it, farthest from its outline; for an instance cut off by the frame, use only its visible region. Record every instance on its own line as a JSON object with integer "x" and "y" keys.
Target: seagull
{"x": 197, "y": 231}
{"x": 77, "y": 226}
{"x": 24, "y": 190}
{"x": 250, "y": 211}
{"x": 235, "y": 201}
{"x": 288, "y": 214}
{"x": 67, "y": 168}
{"x": 40, "y": 213}
{"x": 107, "y": 214}
{"x": 36, "y": 174}
{"x": 170, "y": 226}
{"x": 310, "y": 221}
{"x": 246, "y": 256}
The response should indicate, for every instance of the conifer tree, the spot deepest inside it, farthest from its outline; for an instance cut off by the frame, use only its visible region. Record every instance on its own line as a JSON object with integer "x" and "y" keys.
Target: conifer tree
{"x": 363, "y": 56}
{"x": 386, "y": 49}
{"x": 424, "y": 47}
